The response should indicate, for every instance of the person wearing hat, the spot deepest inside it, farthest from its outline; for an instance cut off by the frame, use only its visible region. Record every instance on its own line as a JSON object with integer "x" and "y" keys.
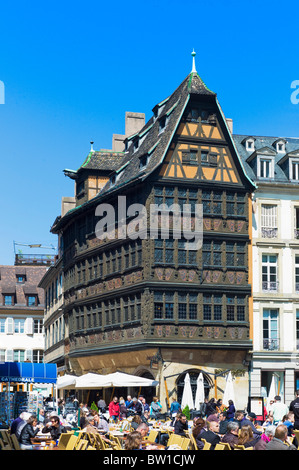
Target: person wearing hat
{"x": 248, "y": 421}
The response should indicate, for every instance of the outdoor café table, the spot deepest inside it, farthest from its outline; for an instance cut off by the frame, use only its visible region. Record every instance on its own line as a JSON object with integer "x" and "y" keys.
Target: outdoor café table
{"x": 50, "y": 445}
{"x": 146, "y": 445}
{"x": 163, "y": 430}
{"x": 39, "y": 438}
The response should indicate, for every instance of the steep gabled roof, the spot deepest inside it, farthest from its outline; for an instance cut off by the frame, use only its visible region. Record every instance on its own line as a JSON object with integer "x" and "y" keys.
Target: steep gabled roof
{"x": 155, "y": 142}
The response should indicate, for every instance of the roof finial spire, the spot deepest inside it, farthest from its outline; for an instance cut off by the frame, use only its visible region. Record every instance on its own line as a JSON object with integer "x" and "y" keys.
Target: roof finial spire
{"x": 91, "y": 146}
{"x": 193, "y": 62}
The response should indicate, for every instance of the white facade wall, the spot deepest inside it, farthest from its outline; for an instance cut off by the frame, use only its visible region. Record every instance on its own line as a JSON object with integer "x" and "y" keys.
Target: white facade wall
{"x": 28, "y": 341}
{"x": 284, "y": 359}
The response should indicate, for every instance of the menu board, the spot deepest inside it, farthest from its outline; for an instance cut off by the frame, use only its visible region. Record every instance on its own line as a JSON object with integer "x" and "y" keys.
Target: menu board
{"x": 257, "y": 405}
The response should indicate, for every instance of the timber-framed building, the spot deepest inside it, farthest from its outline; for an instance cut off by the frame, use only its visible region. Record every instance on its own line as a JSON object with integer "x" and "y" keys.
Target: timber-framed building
{"x": 148, "y": 306}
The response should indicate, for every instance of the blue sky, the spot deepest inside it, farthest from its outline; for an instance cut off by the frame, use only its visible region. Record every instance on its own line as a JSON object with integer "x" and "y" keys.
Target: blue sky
{"x": 72, "y": 69}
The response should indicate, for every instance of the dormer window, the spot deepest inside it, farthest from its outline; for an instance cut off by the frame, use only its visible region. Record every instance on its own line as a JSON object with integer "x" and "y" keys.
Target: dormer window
{"x": 143, "y": 161}
{"x": 280, "y": 146}
{"x": 136, "y": 143}
{"x": 249, "y": 145}
{"x": 162, "y": 123}
{"x": 294, "y": 169}
{"x": 265, "y": 167}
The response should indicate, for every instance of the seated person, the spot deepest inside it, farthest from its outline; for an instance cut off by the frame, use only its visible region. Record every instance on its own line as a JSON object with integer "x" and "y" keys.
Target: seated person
{"x": 231, "y": 435}
{"x": 198, "y": 428}
{"x": 133, "y": 441}
{"x": 181, "y": 425}
{"x": 246, "y": 437}
{"x": 135, "y": 422}
{"x": 143, "y": 429}
{"x": 211, "y": 434}
{"x": 145, "y": 417}
{"x": 266, "y": 437}
{"x": 54, "y": 428}
{"x": 223, "y": 422}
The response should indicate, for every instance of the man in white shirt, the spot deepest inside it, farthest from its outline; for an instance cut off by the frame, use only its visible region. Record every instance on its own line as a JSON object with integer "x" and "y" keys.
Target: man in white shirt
{"x": 279, "y": 410}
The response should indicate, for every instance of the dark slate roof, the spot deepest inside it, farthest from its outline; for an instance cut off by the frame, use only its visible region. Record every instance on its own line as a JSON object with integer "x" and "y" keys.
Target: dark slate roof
{"x": 152, "y": 143}
{"x": 102, "y": 160}
{"x": 264, "y": 142}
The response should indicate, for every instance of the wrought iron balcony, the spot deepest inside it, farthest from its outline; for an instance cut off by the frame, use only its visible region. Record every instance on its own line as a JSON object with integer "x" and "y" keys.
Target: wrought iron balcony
{"x": 269, "y": 232}
{"x": 268, "y": 286}
{"x": 271, "y": 344}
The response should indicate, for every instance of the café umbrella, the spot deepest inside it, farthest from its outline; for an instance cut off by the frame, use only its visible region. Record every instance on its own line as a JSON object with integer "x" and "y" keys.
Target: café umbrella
{"x": 229, "y": 393}
{"x": 66, "y": 382}
{"x": 91, "y": 380}
{"x": 116, "y": 379}
{"x": 187, "y": 397}
{"x": 200, "y": 392}
{"x": 121, "y": 379}
{"x": 272, "y": 391}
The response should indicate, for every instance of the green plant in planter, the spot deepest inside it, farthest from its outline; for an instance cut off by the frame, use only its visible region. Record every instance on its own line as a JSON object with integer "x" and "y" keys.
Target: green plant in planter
{"x": 186, "y": 412}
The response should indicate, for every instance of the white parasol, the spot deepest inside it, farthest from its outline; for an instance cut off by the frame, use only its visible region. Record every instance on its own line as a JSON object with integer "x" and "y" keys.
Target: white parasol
{"x": 187, "y": 398}
{"x": 229, "y": 393}
{"x": 200, "y": 392}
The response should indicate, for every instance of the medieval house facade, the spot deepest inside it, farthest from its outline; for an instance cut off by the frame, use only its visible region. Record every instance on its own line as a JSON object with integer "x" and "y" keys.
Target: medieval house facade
{"x": 146, "y": 304}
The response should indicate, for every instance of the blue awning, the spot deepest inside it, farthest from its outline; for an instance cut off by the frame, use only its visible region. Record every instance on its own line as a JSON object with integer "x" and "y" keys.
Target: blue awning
{"x": 28, "y": 372}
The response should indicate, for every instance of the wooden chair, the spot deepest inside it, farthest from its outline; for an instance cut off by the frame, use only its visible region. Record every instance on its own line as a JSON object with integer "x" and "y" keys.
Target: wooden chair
{"x": 101, "y": 443}
{"x": 64, "y": 439}
{"x": 6, "y": 437}
{"x": 15, "y": 442}
{"x": 241, "y": 447}
{"x": 94, "y": 442}
{"x": 82, "y": 444}
{"x": 207, "y": 445}
{"x": 225, "y": 445}
{"x": 72, "y": 443}
{"x": 193, "y": 442}
{"x": 126, "y": 425}
{"x": 186, "y": 443}
{"x": 175, "y": 439}
{"x": 219, "y": 447}
{"x": 5, "y": 446}
{"x": 152, "y": 436}
{"x": 115, "y": 440}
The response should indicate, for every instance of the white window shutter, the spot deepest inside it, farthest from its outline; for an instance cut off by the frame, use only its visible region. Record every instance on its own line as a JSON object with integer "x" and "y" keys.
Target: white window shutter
{"x": 29, "y": 355}
{"x": 9, "y": 326}
{"x": 9, "y": 355}
{"x": 29, "y": 326}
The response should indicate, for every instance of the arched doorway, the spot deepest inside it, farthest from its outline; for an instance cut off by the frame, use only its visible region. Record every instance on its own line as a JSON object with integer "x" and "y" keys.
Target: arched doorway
{"x": 208, "y": 383}
{"x": 147, "y": 392}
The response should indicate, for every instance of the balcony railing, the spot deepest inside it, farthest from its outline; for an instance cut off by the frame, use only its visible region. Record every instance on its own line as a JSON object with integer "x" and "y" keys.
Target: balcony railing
{"x": 34, "y": 259}
{"x": 270, "y": 286}
{"x": 271, "y": 344}
{"x": 269, "y": 232}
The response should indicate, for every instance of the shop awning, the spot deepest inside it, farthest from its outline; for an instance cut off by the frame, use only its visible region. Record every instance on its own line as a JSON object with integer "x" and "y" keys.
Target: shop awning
{"x": 28, "y": 372}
